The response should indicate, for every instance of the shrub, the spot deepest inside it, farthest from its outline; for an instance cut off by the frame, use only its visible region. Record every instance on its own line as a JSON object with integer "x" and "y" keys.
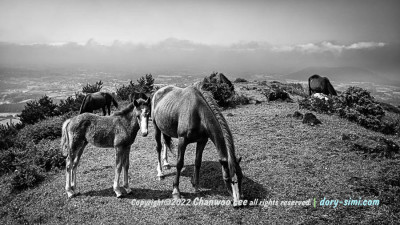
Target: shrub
{"x": 46, "y": 129}
{"x": 356, "y": 105}
{"x": 35, "y": 111}
{"x": 26, "y": 176}
{"x": 92, "y": 88}
{"x": 7, "y": 158}
{"x": 71, "y": 104}
{"x": 145, "y": 85}
{"x": 7, "y": 135}
{"x": 239, "y": 99}
{"x": 221, "y": 91}
{"x": 276, "y": 94}
{"x": 47, "y": 154}
{"x": 240, "y": 80}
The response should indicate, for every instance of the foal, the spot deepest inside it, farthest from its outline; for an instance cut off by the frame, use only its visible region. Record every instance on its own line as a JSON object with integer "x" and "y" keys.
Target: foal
{"x": 118, "y": 130}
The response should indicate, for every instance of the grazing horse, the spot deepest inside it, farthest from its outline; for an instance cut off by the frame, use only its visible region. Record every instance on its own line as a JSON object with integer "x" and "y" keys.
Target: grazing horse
{"x": 97, "y": 100}
{"x": 318, "y": 84}
{"x": 136, "y": 95}
{"x": 118, "y": 130}
{"x": 192, "y": 115}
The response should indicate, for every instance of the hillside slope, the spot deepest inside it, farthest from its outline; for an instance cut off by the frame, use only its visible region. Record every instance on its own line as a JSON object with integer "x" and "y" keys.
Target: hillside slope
{"x": 283, "y": 159}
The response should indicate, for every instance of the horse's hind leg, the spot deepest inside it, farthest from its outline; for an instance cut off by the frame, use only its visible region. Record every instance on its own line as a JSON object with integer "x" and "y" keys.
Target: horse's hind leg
{"x": 75, "y": 163}
{"x": 179, "y": 165}
{"x": 125, "y": 164}
{"x": 167, "y": 145}
{"x": 197, "y": 163}
{"x": 109, "y": 108}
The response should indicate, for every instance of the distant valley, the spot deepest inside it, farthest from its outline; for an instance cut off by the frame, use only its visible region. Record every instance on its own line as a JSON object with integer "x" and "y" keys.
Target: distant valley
{"x": 18, "y": 86}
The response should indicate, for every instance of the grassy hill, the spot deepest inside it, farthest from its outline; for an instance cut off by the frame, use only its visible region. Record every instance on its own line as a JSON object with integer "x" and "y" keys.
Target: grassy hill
{"x": 283, "y": 159}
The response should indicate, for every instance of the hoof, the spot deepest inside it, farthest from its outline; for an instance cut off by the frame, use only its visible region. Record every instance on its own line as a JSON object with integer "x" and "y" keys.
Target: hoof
{"x": 167, "y": 166}
{"x": 118, "y": 192}
{"x": 176, "y": 196}
{"x": 128, "y": 190}
{"x": 161, "y": 177}
{"x": 197, "y": 190}
{"x": 71, "y": 194}
{"x": 120, "y": 196}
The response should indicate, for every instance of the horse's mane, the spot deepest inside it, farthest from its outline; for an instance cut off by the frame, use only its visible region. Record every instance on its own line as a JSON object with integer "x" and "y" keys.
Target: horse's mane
{"x": 124, "y": 111}
{"x": 226, "y": 132}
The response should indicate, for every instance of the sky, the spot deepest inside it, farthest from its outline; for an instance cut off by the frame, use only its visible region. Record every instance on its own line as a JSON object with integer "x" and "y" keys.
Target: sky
{"x": 278, "y": 22}
{"x": 232, "y": 36}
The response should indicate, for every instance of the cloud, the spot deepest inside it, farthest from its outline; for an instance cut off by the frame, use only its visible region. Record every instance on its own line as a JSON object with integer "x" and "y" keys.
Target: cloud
{"x": 327, "y": 46}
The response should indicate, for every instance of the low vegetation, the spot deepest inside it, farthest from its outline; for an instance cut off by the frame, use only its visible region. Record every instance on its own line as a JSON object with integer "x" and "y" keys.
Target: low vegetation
{"x": 356, "y": 105}
{"x": 144, "y": 84}
{"x": 283, "y": 159}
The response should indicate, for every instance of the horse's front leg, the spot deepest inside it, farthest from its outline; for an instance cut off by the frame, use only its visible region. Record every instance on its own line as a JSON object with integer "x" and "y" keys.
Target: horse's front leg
{"x": 179, "y": 165}
{"x": 126, "y": 168}
{"x": 118, "y": 168}
{"x": 197, "y": 163}
{"x": 157, "y": 135}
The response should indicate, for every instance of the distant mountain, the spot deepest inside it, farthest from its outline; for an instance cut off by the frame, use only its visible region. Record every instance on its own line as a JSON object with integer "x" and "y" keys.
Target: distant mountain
{"x": 341, "y": 75}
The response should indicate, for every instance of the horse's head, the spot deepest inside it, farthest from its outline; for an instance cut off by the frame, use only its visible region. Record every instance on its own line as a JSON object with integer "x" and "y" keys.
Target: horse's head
{"x": 142, "y": 113}
{"x": 233, "y": 177}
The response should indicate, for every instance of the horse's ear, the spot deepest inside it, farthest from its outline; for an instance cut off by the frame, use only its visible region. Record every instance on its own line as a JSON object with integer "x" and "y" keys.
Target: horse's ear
{"x": 135, "y": 103}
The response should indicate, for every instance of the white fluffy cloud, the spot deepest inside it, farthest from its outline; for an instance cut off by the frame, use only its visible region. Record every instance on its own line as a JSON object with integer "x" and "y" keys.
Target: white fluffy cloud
{"x": 327, "y": 46}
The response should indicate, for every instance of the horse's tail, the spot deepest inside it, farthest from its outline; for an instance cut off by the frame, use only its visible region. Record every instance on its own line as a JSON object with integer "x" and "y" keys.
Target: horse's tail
{"x": 331, "y": 90}
{"x": 84, "y": 104}
{"x": 226, "y": 132}
{"x": 65, "y": 146}
{"x": 114, "y": 102}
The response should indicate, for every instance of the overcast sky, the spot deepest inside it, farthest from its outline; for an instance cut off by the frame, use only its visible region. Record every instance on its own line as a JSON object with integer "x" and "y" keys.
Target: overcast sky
{"x": 278, "y": 22}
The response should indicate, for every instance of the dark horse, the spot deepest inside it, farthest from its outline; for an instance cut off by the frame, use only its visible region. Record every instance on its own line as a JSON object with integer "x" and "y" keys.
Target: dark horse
{"x": 192, "y": 115}
{"x": 318, "y": 84}
{"x": 136, "y": 95}
{"x": 118, "y": 130}
{"x": 97, "y": 100}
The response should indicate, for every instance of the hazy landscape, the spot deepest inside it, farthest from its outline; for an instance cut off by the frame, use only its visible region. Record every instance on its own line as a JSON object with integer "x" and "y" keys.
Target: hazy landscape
{"x": 294, "y": 147}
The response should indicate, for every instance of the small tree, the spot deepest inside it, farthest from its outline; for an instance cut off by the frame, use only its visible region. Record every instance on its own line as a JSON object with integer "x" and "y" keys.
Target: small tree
{"x": 92, "y": 88}
{"x": 145, "y": 85}
{"x": 71, "y": 104}
{"x": 35, "y": 111}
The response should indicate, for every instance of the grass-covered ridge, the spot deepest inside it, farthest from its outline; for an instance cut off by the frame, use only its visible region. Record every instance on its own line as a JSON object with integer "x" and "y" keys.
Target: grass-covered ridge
{"x": 283, "y": 159}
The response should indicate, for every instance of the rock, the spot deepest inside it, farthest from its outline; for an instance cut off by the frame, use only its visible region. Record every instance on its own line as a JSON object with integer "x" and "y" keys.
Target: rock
{"x": 311, "y": 119}
{"x": 320, "y": 96}
{"x": 351, "y": 137}
{"x": 254, "y": 101}
{"x": 298, "y": 115}
{"x": 278, "y": 94}
{"x": 376, "y": 146}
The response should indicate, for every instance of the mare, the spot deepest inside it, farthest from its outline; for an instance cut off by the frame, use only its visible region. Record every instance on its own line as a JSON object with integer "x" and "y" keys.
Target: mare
{"x": 318, "y": 84}
{"x": 118, "y": 131}
{"x": 192, "y": 115}
{"x": 97, "y": 100}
